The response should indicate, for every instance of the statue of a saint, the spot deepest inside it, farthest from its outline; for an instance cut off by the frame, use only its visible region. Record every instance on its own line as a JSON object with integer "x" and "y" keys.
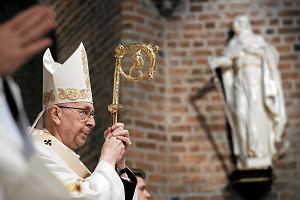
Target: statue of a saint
{"x": 253, "y": 94}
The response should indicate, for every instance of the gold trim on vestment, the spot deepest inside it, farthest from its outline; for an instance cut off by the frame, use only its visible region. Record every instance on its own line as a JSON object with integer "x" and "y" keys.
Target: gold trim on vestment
{"x": 73, "y": 187}
{"x": 85, "y": 68}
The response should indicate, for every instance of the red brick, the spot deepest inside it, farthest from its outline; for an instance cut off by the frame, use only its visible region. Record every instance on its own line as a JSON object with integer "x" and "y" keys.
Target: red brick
{"x": 157, "y": 178}
{"x": 178, "y": 149}
{"x": 156, "y": 158}
{"x": 190, "y": 35}
{"x": 176, "y": 138}
{"x": 193, "y": 179}
{"x": 287, "y": 22}
{"x": 288, "y": 30}
{"x": 178, "y": 169}
{"x": 145, "y": 145}
{"x": 157, "y": 136}
{"x": 144, "y": 124}
{"x": 180, "y": 128}
{"x": 192, "y": 27}
{"x": 196, "y": 8}
{"x": 133, "y": 18}
{"x": 210, "y": 25}
{"x": 199, "y": 1}
{"x": 136, "y": 133}
{"x": 274, "y": 22}
{"x": 194, "y": 159}
{"x": 287, "y": 196}
{"x": 283, "y": 48}
{"x": 290, "y": 57}
{"x": 178, "y": 90}
{"x": 289, "y": 13}
{"x": 290, "y": 39}
{"x": 290, "y": 75}
{"x": 208, "y": 17}
{"x": 201, "y": 53}
{"x": 145, "y": 166}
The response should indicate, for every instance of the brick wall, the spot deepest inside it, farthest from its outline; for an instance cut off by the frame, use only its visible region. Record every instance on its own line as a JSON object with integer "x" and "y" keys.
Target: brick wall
{"x": 146, "y": 101}
{"x": 177, "y": 121}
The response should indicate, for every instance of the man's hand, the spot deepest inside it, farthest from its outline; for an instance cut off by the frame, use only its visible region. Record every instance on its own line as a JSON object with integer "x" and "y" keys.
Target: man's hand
{"x": 118, "y": 131}
{"x": 23, "y": 36}
{"x": 113, "y": 150}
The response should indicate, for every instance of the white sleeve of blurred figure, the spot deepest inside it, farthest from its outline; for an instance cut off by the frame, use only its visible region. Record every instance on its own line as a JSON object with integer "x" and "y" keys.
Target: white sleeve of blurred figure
{"x": 13, "y": 163}
{"x": 37, "y": 183}
{"x": 22, "y": 178}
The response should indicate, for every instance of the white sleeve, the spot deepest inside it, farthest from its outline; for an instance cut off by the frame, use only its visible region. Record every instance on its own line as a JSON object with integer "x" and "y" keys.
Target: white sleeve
{"x": 103, "y": 184}
{"x": 11, "y": 161}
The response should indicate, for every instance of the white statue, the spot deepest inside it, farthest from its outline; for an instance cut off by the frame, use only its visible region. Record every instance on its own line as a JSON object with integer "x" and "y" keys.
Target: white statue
{"x": 253, "y": 94}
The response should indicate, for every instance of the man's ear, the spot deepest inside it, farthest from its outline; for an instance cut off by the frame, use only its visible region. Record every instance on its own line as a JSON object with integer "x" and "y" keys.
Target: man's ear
{"x": 55, "y": 114}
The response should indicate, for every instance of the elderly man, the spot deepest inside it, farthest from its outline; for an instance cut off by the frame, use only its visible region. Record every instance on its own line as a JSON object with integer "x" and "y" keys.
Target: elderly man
{"x": 22, "y": 176}
{"x": 68, "y": 118}
{"x": 141, "y": 186}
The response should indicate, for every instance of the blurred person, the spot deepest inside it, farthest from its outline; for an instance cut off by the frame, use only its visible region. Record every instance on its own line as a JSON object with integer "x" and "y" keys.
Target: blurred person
{"x": 141, "y": 187}
{"x": 65, "y": 123}
{"x": 22, "y": 176}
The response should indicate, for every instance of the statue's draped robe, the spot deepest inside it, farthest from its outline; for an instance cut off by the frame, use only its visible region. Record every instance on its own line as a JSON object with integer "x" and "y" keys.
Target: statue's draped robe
{"x": 254, "y": 96}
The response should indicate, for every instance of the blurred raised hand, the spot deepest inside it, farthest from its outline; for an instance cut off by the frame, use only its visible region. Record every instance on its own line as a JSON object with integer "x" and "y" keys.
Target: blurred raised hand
{"x": 23, "y": 36}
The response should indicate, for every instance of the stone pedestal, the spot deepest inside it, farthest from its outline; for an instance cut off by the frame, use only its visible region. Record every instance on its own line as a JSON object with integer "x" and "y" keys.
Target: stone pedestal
{"x": 252, "y": 182}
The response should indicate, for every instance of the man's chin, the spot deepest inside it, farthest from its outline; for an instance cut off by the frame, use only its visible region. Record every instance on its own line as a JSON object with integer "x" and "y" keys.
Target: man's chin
{"x": 81, "y": 142}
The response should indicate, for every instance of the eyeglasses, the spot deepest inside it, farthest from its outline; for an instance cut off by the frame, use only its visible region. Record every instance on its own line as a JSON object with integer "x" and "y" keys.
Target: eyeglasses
{"x": 84, "y": 114}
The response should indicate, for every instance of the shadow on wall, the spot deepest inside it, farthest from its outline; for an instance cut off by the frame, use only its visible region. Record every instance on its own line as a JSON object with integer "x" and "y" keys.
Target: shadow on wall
{"x": 248, "y": 192}
{"x": 209, "y": 86}
{"x": 202, "y": 119}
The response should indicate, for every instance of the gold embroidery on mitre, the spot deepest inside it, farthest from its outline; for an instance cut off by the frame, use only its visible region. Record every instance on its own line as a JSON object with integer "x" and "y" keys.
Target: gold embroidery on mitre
{"x": 48, "y": 97}
{"x": 84, "y": 61}
{"x": 88, "y": 94}
{"x": 85, "y": 68}
{"x": 72, "y": 93}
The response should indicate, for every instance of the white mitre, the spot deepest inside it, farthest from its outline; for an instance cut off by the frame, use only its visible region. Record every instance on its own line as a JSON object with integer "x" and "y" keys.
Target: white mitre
{"x": 67, "y": 82}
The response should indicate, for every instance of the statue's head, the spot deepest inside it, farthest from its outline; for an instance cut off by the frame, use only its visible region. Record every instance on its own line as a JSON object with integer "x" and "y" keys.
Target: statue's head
{"x": 241, "y": 23}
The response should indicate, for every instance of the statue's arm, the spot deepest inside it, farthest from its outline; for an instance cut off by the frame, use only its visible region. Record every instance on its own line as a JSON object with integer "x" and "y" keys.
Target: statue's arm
{"x": 223, "y": 61}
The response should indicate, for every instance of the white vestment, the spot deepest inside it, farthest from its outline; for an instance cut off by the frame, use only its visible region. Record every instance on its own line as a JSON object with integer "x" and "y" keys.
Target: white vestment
{"x": 103, "y": 184}
{"x": 22, "y": 176}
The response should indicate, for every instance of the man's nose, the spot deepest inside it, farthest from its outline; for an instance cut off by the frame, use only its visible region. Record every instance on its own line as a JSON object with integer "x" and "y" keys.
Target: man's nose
{"x": 147, "y": 194}
{"x": 91, "y": 122}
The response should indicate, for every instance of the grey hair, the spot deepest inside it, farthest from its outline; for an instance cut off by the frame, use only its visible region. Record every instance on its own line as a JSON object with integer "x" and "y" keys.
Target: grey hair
{"x": 44, "y": 123}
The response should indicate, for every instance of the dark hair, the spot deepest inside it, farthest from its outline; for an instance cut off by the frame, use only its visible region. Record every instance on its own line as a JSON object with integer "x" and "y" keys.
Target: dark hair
{"x": 139, "y": 172}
